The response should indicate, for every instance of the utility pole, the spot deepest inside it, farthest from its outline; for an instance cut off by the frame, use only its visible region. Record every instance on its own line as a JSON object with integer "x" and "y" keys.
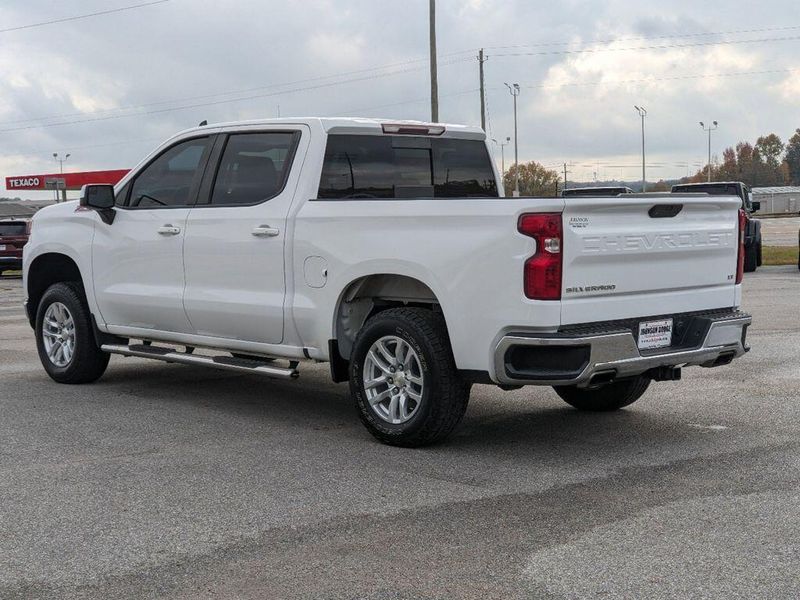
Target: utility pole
{"x": 482, "y": 60}
{"x": 709, "y": 129}
{"x": 642, "y": 113}
{"x": 565, "y": 176}
{"x": 503, "y": 156}
{"x": 434, "y": 76}
{"x": 513, "y": 89}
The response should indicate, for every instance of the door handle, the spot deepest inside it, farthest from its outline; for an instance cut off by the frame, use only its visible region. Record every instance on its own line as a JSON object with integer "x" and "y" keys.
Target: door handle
{"x": 168, "y": 229}
{"x": 265, "y": 231}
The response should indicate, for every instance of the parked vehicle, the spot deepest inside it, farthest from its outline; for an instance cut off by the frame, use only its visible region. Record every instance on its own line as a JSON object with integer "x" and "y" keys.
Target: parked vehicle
{"x": 752, "y": 234}
{"x": 13, "y": 237}
{"x": 596, "y": 191}
{"x": 389, "y": 251}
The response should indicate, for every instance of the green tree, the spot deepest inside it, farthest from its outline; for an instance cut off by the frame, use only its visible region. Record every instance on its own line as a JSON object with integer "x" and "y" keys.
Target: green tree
{"x": 770, "y": 147}
{"x": 792, "y": 160}
{"x": 534, "y": 180}
{"x": 770, "y": 153}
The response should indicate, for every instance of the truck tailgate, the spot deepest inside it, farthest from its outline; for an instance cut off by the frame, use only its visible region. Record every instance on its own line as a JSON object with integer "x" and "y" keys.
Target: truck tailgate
{"x": 634, "y": 256}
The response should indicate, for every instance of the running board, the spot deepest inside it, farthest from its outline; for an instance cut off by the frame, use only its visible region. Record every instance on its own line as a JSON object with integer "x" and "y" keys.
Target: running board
{"x": 228, "y": 363}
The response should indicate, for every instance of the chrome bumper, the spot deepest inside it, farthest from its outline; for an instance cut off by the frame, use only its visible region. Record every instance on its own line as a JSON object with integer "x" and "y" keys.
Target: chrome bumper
{"x": 616, "y": 355}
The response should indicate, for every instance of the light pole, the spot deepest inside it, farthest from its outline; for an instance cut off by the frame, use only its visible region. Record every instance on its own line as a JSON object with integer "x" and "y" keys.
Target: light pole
{"x": 503, "y": 155}
{"x": 60, "y": 162}
{"x": 513, "y": 89}
{"x": 434, "y": 75}
{"x": 709, "y": 129}
{"x": 642, "y": 113}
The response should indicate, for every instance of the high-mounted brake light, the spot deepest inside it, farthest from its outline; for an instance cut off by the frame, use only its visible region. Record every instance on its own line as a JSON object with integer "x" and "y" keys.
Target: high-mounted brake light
{"x": 740, "y": 257}
{"x": 542, "y": 274}
{"x": 405, "y": 129}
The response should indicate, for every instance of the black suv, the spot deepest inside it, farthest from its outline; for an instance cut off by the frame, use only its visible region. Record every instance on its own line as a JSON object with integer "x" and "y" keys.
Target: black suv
{"x": 13, "y": 236}
{"x": 752, "y": 232}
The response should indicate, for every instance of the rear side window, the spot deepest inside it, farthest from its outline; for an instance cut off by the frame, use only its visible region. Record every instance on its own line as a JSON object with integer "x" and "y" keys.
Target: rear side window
{"x": 254, "y": 167}
{"x": 381, "y": 166}
{"x": 12, "y": 229}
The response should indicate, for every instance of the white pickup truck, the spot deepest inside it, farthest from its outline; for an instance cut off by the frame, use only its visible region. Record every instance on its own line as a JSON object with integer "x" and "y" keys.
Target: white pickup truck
{"x": 388, "y": 250}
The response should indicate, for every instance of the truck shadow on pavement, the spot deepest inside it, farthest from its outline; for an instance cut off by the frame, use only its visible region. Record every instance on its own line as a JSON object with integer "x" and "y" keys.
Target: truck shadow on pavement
{"x": 533, "y": 422}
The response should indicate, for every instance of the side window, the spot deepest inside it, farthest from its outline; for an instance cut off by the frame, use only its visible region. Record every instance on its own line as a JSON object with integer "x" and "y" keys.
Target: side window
{"x": 254, "y": 167}
{"x": 172, "y": 177}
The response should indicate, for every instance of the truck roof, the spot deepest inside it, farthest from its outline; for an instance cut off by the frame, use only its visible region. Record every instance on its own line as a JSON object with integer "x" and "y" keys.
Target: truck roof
{"x": 353, "y": 125}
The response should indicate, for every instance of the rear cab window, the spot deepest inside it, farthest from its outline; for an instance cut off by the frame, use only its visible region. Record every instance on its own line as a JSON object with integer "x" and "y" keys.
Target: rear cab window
{"x": 402, "y": 166}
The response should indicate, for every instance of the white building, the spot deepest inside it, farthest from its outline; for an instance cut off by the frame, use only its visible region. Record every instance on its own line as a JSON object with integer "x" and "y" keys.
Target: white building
{"x": 778, "y": 199}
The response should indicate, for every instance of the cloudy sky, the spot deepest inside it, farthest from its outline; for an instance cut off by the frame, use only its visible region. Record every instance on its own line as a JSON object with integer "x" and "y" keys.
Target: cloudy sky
{"x": 110, "y": 87}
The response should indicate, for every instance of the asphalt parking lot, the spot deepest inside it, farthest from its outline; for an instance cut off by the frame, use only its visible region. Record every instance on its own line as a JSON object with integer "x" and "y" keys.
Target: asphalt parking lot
{"x": 175, "y": 482}
{"x": 780, "y": 231}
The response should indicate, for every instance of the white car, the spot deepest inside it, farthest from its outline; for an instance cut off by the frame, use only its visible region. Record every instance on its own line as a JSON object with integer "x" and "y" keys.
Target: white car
{"x": 388, "y": 250}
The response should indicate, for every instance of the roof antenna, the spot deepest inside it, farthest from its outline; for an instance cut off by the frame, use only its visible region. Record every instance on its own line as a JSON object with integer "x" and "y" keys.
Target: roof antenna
{"x": 203, "y": 123}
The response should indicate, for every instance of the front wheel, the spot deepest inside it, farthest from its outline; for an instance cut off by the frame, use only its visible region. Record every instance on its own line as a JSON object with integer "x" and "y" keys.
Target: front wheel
{"x": 64, "y": 336}
{"x": 404, "y": 380}
{"x": 611, "y": 396}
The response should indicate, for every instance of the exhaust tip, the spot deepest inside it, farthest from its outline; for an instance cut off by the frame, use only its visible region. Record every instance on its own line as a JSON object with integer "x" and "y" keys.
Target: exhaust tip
{"x": 602, "y": 377}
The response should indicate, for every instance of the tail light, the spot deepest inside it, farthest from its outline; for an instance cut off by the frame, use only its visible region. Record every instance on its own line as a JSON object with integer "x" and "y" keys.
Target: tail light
{"x": 740, "y": 257}
{"x": 542, "y": 278}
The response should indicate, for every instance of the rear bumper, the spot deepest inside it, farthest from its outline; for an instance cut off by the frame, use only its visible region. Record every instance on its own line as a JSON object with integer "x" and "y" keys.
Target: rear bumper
{"x": 11, "y": 262}
{"x": 567, "y": 358}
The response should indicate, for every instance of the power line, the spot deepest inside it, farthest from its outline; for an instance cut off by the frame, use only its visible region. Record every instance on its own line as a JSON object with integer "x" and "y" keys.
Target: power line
{"x": 644, "y": 38}
{"x": 652, "y": 79}
{"x": 84, "y": 16}
{"x": 653, "y": 47}
{"x": 389, "y": 67}
{"x": 213, "y": 103}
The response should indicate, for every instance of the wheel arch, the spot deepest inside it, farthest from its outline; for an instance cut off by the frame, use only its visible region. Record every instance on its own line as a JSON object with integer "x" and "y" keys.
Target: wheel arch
{"x": 369, "y": 294}
{"x": 45, "y": 270}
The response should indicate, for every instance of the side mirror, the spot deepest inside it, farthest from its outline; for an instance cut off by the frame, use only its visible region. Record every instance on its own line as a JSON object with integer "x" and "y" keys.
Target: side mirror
{"x": 99, "y": 196}
{"x": 756, "y": 206}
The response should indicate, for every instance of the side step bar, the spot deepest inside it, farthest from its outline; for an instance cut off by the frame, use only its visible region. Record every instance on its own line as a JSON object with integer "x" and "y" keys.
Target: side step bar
{"x": 229, "y": 363}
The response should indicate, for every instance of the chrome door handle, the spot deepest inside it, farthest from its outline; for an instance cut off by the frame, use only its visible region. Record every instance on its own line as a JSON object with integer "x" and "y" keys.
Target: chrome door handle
{"x": 265, "y": 231}
{"x": 168, "y": 229}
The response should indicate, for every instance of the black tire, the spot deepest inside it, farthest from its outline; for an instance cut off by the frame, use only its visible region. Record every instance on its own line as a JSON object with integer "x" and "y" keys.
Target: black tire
{"x": 88, "y": 362}
{"x": 611, "y": 396}
{"x": 750, "y": 258}
{"x": 445, "y": 394}
{"x": 760, "y": 260}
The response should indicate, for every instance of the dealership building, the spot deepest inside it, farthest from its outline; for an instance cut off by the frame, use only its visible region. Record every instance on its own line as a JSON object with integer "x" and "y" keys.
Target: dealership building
{"x": 783, "y": 199}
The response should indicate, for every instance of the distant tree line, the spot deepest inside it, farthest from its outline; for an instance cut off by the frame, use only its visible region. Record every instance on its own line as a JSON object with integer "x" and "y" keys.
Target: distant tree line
{"x": 767, "y": 162}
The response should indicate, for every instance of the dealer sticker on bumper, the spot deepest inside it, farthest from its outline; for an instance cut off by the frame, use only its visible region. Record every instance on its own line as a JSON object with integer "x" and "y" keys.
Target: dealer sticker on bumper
{"x": 655, "y": 334}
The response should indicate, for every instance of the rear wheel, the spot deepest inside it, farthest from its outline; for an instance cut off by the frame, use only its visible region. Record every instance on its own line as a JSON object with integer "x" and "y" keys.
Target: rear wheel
{"x": 751, "y": 258}
{"x": 404, "y": 380}
{"x": 760, "y": 260}
{"x": 611, "y": 396}
{"x": 64, "y": 336}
